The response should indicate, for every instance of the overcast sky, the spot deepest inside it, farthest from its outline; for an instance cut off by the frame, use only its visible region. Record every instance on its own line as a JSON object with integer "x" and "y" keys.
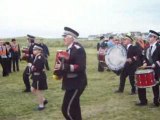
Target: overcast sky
{"x": 47, "y": 18}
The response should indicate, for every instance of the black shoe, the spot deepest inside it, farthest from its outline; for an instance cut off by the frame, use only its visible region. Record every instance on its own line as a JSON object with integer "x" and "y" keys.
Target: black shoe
{"x": 118, "y": 91}
{"x": 141, "y": 104}
{"x": 45, "y": 102}
{"x": 133, "y": 93}
{"x": 155, "y": 105}
{"x": 27, "y": 90}
{"x": 40, "y": 108}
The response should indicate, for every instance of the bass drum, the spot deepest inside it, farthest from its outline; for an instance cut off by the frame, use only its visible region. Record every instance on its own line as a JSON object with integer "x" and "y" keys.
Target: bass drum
{"x": 116, "y": 57}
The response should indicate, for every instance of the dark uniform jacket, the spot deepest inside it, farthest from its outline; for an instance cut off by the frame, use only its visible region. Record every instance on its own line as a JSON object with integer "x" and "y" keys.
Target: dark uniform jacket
{"x": 37, "y": 68}
{"x": 134, "y": 53}
{"x": 31, "y": 57}
{"x": 155, "y": 59}
{"x": 74, "y": 73}
{"x": 38, "y": 74}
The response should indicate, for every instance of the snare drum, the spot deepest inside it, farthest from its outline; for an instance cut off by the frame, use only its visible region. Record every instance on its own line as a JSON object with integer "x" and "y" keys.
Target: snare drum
{"x": 145, "y": 78}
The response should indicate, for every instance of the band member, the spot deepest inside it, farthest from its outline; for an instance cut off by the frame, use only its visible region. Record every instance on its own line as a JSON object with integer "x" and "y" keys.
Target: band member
{"x": 110, "y": 42}
{"x": 99, "y": 43}
{"x": 15, "y": 54}
{"x": 9, "y": 56}
{"x": 38, "y": 76}
{"x": 3, "y": 58}
{"x": 45, "y": 52}
{"x": 30, "y": 59}
{"x": 74, "y": 75}
{"x": 130, "y": 66}
{"x": 152, "y": 58}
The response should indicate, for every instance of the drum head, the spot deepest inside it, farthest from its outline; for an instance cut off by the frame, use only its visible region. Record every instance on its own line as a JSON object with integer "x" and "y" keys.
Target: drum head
{"x": 144, "y": 71}
{"x": 115, "y": 57}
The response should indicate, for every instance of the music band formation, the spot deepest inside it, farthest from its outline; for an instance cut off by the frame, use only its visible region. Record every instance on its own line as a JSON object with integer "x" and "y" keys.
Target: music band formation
{"x": 140, "y": 62}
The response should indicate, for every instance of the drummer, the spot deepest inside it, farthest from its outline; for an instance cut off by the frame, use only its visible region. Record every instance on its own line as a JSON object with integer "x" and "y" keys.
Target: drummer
{"x": 130, "y": 66}
{"x": 152, "y": 58}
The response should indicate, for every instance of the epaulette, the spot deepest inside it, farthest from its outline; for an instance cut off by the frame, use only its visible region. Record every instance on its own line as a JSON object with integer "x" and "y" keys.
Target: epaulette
{"x": 77, "y": 46}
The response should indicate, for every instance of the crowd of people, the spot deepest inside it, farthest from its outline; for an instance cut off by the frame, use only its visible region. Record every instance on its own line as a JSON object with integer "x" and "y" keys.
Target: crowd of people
{"x": 9, "y": 56}
{"x": 141, "y": 54}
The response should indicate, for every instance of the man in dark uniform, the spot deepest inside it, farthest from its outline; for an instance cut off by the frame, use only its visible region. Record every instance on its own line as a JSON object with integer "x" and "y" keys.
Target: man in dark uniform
{"x": 74, "y": 75}
{"x": 30, "y": 59}
{"x": 152, "y": 58}
{"x": 45, "y": 52}
{"x": 132, "y": 62}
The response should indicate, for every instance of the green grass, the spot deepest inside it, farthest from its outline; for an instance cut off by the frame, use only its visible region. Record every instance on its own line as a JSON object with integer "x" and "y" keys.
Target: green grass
{"x": 98, "y": 102}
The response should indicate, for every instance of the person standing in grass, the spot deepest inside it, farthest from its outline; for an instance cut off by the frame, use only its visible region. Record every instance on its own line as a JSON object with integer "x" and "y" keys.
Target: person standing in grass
{"x": 3, "y": 58}
{"x": 39, "y": 76}
{"x": 132, "y": 62}
{"x": 152, "y": 58}
{"x": 26, "y": 73}
{"x": 74, "y": 75}
{"x": 16, "y": 53}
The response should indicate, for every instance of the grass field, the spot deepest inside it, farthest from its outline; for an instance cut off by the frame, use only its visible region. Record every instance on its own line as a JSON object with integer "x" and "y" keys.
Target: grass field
{"x": 99, "y": 102}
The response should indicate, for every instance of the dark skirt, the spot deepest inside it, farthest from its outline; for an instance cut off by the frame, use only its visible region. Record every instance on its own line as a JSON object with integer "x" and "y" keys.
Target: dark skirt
{"x": 39, "y": 81}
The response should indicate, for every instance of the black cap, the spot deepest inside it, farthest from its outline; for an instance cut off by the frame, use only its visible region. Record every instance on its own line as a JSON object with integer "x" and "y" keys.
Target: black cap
{"x": 31, "y": 36}
{"x": 70, "y": 31}
{"x": 101, "y": 37}
{"x": 152, "y": 32}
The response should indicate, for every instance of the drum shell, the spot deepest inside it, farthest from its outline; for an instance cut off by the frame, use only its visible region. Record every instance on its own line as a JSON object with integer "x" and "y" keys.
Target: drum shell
{"x": 25, "y": 54}
{"x": 101, "y": 54}
{"x": 145, "y": 78}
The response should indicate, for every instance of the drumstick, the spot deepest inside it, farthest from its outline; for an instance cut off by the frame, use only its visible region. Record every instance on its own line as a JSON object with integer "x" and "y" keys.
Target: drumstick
{"x": 145, "y": 67}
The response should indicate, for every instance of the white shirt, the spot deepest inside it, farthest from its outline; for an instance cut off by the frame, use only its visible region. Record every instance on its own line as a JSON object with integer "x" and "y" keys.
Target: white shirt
{"x": 153, "y": 47}
{"x": 128, "y": 46}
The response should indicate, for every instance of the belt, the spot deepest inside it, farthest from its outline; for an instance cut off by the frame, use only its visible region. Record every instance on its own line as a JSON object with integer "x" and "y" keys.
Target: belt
{"x": 36, "y": 73}
{"x": 72, "y": 75}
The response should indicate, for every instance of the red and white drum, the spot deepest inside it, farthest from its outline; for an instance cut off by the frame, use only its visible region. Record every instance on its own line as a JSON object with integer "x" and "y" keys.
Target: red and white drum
{"x": 145, "y": 78}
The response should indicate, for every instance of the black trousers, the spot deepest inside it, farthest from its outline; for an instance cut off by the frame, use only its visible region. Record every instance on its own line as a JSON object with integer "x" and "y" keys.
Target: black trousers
{"x": 15, "y": 62}
{"x": 71, "y": 104}
{"x": 123, "y": 76}
{"x": 143, "y": 98}
{"x": 26, "y": 81}
{"x": 4, "y": 64}
{"x": 9, "y": 64}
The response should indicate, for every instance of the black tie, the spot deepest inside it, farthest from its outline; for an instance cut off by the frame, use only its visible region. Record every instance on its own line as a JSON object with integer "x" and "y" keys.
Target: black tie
{"x": 150, "y": 56}
{"x": 68, "y": 50}
{"x": 150, "y": 51}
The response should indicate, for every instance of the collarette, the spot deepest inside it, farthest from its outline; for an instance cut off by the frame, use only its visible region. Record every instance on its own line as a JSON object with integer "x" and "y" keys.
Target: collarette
{"x": 154, "y": 44}
{"x": 70, "y": 45}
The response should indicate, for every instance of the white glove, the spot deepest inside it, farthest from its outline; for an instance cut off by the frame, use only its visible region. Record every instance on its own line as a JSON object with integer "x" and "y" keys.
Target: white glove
{"x": 29, "y": 64}
{"x": 153, "y": 65}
